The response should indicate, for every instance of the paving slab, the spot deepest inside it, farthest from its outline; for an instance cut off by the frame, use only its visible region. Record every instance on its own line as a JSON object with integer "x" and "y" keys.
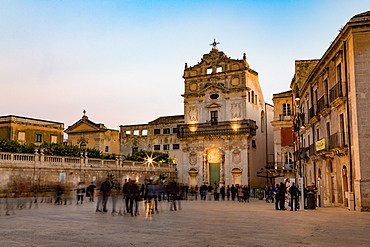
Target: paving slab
{"x": 198, "y": 223}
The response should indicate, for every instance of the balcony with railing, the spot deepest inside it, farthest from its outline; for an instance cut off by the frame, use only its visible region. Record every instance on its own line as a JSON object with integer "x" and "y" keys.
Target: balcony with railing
{"x": 337, "y": 141}
{"x": 336, "y": 95}
{"x": 313, "y": 115}
{"x": 279, "y": 166}
{"x": 323, "y": 107}
{"x": 285, "y": 117}
{"x": 220, "y": 128}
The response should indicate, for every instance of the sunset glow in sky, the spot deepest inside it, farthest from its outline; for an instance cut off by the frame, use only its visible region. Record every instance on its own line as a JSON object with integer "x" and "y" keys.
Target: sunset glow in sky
{"x": 122, "y": 61}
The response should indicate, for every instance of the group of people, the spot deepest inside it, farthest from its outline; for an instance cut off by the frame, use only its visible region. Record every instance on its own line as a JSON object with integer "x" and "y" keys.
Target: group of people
{"x": 280, "y": 192}
{"x": 241, "y": 193}
{"x": 132, "y": 193}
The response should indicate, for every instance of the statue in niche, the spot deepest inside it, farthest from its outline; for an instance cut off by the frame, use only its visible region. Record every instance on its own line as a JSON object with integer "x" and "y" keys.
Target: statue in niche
{"x": 193, "y": 114}
{"x": 236, "y": 157}
{"x": 193, "y": 158}
{"x": 235, "y": 111}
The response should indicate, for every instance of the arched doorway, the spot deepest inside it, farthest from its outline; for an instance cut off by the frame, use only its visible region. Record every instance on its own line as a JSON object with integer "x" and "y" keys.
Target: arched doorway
{"x": 214, "y": 167}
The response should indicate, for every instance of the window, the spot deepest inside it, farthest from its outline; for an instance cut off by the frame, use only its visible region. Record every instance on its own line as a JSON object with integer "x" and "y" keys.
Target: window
{"x": 175, "y": 146}
{"x": 166, "y": 131}
{"x": 166, "y": 146}
{"x": 252, "y": 96}
{"x": 157, "y": 147}
{"x": 214, "y": 96}
{"x": 286, "y": 110}
{"x": 339, "y": 73}
{"x": 209, "y": 71}
{"x": 214, "y": 117}
{"x": 128, "y": 133}
{"x": 288, "y": 160}
{"x": 341, "y": 122}
{"x": 135, "y": 150}
{"x": 249, "y": 96}
{"x": 106, "y": 149}
{"x": 22, "y": 136}
{"x": 263, "y": 125}
{"x": 157, "y": 131}
{"x": 175, "y": 130}
{"x": 254, "y": 144}
{"x": 144, "y": 132}
{"x": 136, "y": 132}
{"x": 54, "y": 139}
{"x": 38, "y": 138}
{"x": 219, "y": 69}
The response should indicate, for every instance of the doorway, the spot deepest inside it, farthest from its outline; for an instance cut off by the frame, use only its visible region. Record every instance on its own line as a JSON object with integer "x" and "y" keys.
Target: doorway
{"x": 214, "y": 173}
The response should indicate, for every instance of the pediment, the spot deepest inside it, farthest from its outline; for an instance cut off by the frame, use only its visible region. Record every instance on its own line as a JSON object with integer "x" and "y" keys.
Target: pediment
{"x": 213, "y": 87}
{"x": 213, "y": 105}
{"x": 85, "y": 125}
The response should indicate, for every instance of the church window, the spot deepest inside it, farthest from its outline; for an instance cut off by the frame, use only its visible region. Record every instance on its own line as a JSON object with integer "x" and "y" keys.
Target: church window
{"x": 214, "y": 117}
{"x": 214, "y": 96}
{"x": 166, "y": 146}
{"x": 157, "y": 147}
{"x": 175, "y": 146}
{"x": 166, "y": 131}
{"x": 157, "y": 131}
{"x": 106, "y": 149}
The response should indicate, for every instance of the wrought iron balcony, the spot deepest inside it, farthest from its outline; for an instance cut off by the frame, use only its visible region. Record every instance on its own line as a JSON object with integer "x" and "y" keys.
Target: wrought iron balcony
{"x": 280, "y": 166}
{"x": 247, "y": 126}
{"x": 336, "y": 95}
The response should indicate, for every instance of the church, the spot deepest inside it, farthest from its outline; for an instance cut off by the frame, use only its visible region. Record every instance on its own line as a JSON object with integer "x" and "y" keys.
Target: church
{"x": 224, "y": 137}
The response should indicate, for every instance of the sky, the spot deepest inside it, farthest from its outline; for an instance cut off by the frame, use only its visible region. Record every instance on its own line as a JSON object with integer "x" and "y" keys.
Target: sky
{"x": 123, "y": 61}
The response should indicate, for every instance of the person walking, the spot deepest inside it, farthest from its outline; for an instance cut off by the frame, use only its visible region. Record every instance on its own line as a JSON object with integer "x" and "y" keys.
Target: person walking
{"x": 233, "y": 192}
{"x": 282, "y": 192}
{"x": 105, "y": 190}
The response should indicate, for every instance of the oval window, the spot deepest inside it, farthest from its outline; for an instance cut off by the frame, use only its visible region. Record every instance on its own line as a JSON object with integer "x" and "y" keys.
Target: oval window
{"x": 214, "y": 96}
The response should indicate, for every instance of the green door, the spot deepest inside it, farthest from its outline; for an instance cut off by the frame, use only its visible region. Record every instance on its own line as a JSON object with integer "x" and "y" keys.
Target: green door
{"x": 214, "y": 173}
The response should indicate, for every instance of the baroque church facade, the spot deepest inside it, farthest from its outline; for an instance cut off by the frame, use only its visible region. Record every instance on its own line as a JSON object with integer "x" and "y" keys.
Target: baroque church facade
{"x": 224, "y": 136}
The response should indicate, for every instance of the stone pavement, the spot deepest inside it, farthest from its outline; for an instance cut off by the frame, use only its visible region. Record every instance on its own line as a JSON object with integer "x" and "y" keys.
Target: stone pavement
{"x": 198, "y": 223}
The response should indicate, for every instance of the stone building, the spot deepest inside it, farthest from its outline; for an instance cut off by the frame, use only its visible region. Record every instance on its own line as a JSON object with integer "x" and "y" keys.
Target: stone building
{"x": 332, "y": 117}
{"x": 284, "y": 138}
{"x": 225, "y": 134}
{"x": 86, "y": 133}
{"x": 27, "y": 130}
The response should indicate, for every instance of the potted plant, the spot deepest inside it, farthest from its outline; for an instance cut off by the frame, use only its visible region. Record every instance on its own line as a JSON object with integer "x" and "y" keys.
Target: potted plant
{"x": 260, "y": 193}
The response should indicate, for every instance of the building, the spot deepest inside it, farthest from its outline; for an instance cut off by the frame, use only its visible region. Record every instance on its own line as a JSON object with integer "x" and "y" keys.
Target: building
{"x": 27, "y": 130}
{"x": 86, "y": 133}
{"x": 225, "y": 133}
{"x": 332, "y": 118}
{"x": 284, "y": 138}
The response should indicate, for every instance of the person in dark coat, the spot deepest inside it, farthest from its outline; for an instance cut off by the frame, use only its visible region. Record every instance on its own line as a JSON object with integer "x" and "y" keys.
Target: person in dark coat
{"x": 282, "y": 192}
{"x": 233, "y": 192}
{"x": 105, "y": 190}
{"x": 277, "y": 196}
{"x": 293, "y": 191}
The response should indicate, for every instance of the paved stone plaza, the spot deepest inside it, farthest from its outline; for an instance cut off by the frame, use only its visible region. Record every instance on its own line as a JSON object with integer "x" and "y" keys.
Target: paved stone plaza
{"x": 198, "y": 223}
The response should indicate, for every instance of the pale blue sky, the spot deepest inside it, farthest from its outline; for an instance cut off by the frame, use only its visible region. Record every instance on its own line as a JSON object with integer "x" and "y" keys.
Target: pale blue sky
{"x": 123, "y": 61}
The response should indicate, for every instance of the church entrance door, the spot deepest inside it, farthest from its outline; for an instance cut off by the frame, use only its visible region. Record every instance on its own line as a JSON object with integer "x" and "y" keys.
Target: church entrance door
{"x": 214, "y": 173}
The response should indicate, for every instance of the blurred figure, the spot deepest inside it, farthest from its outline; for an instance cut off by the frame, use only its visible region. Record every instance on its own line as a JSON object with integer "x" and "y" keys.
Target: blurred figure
{"x": 91, "y": 191}
{"x": 105, "y": 190}
{"x": 80, "y": 192}
{"x": 59, "y": 191}
{"x": 134, "y": 197}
